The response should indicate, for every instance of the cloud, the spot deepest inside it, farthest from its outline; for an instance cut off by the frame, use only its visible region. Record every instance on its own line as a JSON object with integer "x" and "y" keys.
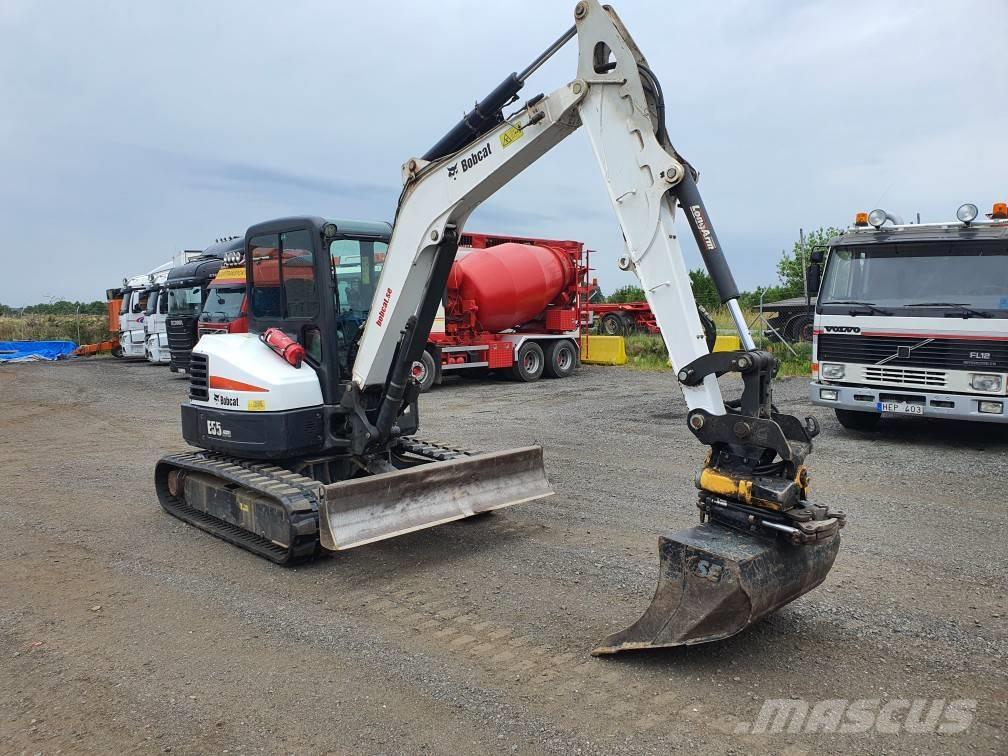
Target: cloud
{"x": 129, "y": 131}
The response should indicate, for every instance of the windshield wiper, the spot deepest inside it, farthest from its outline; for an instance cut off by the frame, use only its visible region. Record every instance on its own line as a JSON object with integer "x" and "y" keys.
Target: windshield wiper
{"x": 965, "y": 309}
{"x": 870, "y": 305}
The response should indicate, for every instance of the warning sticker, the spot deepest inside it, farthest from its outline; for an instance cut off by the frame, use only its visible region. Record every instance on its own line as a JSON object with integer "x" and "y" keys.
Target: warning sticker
{"x": 510, "y": 136}
{"x": 256, "y": 405}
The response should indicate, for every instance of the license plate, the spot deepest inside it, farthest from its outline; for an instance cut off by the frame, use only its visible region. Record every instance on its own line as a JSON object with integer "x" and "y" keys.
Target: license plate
{"x": 906, "y": 409}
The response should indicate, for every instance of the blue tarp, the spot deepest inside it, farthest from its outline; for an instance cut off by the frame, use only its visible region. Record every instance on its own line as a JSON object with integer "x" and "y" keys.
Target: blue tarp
{"x": 28, "y": 351}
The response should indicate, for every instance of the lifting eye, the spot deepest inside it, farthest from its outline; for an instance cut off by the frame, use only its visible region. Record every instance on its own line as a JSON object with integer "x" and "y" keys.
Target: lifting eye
{"x": 602, "y": 58}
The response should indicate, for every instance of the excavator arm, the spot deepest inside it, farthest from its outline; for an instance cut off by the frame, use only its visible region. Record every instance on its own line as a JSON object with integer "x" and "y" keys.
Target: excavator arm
{"x": 443, "y": 188}
{"x": 761, "y": 543}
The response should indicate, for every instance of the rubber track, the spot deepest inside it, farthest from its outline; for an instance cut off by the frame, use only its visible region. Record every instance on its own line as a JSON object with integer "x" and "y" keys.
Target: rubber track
{"x": 297, "y": 494}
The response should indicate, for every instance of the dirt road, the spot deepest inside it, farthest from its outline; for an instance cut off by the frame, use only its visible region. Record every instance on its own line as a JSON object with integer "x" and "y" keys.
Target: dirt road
{"x": 124, "y": 630}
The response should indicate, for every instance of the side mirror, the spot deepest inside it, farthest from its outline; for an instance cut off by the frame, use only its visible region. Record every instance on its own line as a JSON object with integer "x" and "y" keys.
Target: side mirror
{"x": 817, "y": 255}
{"x": 813, "y": 276}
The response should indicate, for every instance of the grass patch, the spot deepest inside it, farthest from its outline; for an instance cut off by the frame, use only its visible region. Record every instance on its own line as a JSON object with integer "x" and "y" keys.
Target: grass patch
{"x": 647, "y": 352}
{"x": 93, "y": 328}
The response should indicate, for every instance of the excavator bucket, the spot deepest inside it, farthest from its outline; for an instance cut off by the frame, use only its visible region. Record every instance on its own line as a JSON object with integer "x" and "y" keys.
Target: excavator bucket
{"x": 715, "y": 581}
{"x": 363, "y": 510}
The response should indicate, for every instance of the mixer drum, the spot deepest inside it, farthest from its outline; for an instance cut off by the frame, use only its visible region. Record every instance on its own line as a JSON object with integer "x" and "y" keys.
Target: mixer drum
{"x": 510, "y": 284}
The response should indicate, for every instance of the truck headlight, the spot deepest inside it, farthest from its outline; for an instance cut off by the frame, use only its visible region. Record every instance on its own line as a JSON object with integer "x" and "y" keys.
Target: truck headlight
{"x": 829, "y": 395}
{"x": 831, "y": 371}
{"x": 991, "y": 408}
{"x": 985, "y": 382}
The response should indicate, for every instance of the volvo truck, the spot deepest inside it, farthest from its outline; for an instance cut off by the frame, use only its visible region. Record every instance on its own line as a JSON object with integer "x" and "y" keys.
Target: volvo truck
{"x": 912, "y": 319}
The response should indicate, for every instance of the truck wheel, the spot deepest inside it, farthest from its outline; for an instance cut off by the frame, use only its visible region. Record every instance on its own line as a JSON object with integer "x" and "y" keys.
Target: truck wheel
{"x": 529, "y": 363}
{"x": 424, "y": 371}
{"x": 799, "y": 328}
{"x": 611, "y": 325}
{"x": 561, "y": 358}
{"x": 860, "y": 421}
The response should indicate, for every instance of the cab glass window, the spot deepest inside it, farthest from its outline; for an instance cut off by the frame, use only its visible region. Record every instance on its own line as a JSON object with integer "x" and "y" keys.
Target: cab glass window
{"x": 283, "y": 275}
{"x": 356, "y": 266}
{"x": 140, "y": 301}
{"x": 185, "y": 300}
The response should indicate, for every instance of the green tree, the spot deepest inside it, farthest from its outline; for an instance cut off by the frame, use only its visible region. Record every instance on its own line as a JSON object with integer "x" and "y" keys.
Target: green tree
{"x": 704, "y": 291}
{"x": 626, "y": 294}
{"x": 790, "y": 267}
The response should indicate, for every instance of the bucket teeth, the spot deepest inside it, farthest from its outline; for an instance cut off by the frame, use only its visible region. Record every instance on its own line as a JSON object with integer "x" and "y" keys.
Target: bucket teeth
{"x": 715, "y": 581}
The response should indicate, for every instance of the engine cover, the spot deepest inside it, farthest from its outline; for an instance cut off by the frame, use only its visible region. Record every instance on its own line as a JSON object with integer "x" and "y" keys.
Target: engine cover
{"x": 241, "y": 374}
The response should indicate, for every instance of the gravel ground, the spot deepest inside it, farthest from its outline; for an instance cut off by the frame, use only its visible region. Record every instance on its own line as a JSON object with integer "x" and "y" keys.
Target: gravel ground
{"x": 122, "y": 629}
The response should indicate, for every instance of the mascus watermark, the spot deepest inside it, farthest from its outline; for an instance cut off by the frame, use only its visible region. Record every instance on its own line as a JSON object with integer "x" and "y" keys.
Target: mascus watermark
{"x": 888, "y": 716}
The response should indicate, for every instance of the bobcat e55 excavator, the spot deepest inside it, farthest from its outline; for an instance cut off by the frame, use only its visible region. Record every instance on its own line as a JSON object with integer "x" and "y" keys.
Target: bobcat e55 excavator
{"x": 300, "y": 456}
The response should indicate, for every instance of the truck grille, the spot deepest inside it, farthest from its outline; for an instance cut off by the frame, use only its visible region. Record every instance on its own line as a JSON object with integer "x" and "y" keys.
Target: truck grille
{"x": 198, "y": 382}
{"x": 905, "y": 376}
{"x": 181, "y": 331}
{"x": 914, "y": 352}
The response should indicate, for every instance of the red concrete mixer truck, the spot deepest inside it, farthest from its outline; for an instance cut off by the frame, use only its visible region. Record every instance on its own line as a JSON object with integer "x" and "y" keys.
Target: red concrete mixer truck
{"x": 513, "y": 305}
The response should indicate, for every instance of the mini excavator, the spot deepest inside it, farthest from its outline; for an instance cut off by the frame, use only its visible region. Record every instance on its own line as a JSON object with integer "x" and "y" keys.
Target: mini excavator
{"x": 306, "y": 425}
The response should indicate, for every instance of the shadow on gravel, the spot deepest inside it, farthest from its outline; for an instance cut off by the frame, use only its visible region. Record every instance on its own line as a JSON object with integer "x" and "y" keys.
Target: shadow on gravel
{"x": 760, "y": 641}
{"x": 446, "y": 543}
{"x": 937, "y": 433}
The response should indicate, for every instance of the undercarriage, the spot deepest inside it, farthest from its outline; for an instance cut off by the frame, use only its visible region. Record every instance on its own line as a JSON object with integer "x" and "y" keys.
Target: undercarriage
{"x": 287, "y": 512}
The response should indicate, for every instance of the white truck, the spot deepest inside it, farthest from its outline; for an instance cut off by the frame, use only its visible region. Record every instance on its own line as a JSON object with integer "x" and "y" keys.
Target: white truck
{"x": 134, "y": 331}
{"x": 912, "y": 319}
{"x": 156, "y": 326}
{"x": 133, "y": 312}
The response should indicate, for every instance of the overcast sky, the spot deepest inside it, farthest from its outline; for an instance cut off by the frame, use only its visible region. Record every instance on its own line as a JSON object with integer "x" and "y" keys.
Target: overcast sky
{"x": 131, "y": 130}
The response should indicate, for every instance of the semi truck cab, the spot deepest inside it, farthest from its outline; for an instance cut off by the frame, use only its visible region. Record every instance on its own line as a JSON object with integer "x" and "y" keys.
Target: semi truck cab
{"x": 187, "y": 293}
{"x": 912, "y": 319}
{"x": 226, "y": 307}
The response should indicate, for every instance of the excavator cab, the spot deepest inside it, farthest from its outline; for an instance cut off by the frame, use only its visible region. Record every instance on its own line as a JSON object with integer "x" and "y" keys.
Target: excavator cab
{"x": 298, "y": 285}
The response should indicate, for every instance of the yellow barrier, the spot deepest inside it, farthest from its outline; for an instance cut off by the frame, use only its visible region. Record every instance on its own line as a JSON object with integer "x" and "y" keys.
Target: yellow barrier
{"x": 603, "y": 350}
{"x": 727, "y": 344}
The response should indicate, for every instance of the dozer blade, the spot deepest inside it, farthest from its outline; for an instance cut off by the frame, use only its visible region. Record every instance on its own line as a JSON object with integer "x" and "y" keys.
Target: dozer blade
{"x": 363, "y": 510}
{"x": 715, "y": 581}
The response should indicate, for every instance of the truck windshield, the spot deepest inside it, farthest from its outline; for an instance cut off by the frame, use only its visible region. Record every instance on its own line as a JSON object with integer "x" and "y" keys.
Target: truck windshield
{"x": 224, "y": 301}
{"x": 944, "y": 275}
{"x": 184, "y": 300}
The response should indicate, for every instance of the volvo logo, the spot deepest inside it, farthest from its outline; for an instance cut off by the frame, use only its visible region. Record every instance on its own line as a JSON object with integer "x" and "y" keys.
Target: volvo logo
{"x": 842, "y": 329}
